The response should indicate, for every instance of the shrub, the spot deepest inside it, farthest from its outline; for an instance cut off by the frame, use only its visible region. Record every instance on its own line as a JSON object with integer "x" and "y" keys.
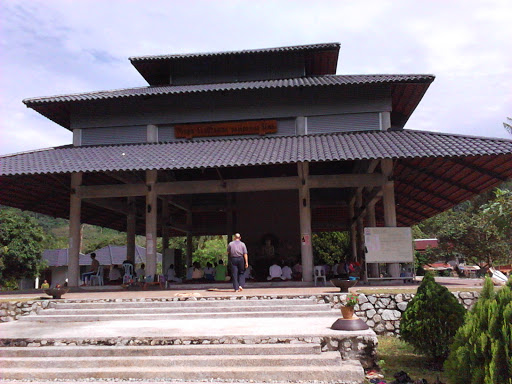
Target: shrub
{"x": 482, "y": 348}
{"x": 431, "y": 319}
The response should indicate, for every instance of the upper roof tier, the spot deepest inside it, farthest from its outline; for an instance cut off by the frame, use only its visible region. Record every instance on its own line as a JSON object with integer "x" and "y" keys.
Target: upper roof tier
{"x": 245, "y": 65}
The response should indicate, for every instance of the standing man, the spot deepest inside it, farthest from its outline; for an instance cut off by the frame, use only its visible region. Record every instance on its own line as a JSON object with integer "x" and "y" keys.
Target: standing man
{"x": 239, "y": 260}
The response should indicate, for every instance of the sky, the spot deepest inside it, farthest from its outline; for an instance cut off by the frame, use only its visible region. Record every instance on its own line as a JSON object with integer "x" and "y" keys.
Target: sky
{"x": 53, "y": 47}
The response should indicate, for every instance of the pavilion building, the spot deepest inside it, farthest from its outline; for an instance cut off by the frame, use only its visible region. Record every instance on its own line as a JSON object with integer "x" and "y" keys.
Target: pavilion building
{"x": 270, "y": 143}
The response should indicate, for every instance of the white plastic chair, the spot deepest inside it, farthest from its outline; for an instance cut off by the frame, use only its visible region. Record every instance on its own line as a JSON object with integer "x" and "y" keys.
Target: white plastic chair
{"x": 128, "y": 273}
{"x": 98, "y": 276}
{"x": 319, "y": 273}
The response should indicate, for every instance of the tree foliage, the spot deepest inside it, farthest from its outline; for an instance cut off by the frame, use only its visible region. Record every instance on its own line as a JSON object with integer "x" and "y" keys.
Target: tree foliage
{"x": 482, "y": 349}
{"x": 22, "y": 241}
{"x": 477, "y": 231}
{"x": 211, "y": 251}
{"x": 331, "y": 247}
{"x": 431, "y": 319}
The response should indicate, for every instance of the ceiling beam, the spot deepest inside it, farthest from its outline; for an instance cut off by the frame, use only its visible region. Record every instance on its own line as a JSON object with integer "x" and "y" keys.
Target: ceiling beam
{"x": 424, "y": 171}
{"x": 478, "y": 169}
{"x": 232, "y": 185}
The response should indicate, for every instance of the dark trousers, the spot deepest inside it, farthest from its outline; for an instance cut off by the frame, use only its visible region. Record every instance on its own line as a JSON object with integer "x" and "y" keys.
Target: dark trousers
{"x": 237, "y": 272}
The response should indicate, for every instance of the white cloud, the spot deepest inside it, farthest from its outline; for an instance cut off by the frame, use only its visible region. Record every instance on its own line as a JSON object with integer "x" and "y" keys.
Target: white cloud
{"x": 52, "y": 47}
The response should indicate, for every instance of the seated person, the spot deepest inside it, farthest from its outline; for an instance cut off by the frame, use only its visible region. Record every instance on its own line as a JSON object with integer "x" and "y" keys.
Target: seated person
{"x": 115, "y": 273}
{"x": 286, "y": 272}
{"x": 197, "y": 272}
{"x": 141, "y": 272}
{"x": 297, "y": 271}
{"x": 275, "y": 272}
{"x": 45, "y": 285}
{"x": 209, "y": 272}
{"x": 171, "y": 275}
{"x": 95, "y": 264}
{"x": 221, "y": 271}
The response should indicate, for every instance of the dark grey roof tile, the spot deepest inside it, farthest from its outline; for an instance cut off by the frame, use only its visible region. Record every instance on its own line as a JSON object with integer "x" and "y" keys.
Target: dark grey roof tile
{"x": 251, "y": 151}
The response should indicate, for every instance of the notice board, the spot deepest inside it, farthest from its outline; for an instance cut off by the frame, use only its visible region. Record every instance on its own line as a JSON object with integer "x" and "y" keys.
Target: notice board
{"x": 388, "y": 245}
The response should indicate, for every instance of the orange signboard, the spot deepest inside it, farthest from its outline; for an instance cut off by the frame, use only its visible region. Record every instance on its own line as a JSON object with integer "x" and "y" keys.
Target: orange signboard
{"x": 254, "y": 127}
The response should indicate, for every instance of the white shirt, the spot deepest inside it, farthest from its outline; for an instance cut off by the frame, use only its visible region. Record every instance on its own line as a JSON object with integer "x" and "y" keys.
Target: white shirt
{"x": 275, "y": 271}
{"x": 287, "y": 272}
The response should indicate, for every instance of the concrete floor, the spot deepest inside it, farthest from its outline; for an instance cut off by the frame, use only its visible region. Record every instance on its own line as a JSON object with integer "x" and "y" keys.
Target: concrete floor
{"x": 284, "y": 288}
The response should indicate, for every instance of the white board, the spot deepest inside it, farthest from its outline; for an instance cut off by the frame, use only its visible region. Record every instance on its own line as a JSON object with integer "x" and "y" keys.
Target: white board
{"x": 388, "y": 245}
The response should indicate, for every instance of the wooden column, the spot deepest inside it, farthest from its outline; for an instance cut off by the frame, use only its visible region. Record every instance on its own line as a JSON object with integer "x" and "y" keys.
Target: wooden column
{"x": 151, "y": 222}
{"x": 359, "y": 225}
{"x": 353, "y": 233}
{"x": 74, "y": 231}
{"x": 373, "y": 268}
{"x": 165, "y": 224}
{"x": 306, "y": 248}
{"x": 229, "y": 217}
{"x": 131, "y": 225}
{"x": 189, "y": 239}
{"x": 388, "y": 200}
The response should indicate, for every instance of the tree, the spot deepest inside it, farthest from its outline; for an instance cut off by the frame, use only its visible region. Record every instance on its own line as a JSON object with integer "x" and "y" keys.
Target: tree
{"x": 22, "y": 241}
{"x": 431, "y": 319}
{"x": 211, "y": 251}
{"x": 481, "y": 352}
{"x": 508, "y": 126}
{"x": 478, "y": 230}
{"x": 330, "y": 247}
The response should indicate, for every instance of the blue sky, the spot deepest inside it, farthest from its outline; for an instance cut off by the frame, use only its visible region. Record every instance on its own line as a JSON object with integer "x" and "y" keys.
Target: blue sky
{"x": 52, "y": 47}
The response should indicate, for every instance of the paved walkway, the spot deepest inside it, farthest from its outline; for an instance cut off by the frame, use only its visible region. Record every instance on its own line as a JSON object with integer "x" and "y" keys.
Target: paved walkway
{"x": 293, "y": 288}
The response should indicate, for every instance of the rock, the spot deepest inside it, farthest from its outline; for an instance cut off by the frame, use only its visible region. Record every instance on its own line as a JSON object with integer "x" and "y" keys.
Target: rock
{"x": 370, "y": 313}
{"x": 466, "y": 295}
{"x": 362, "y": 299}
{"x": 392, "y": 315}
{"x": 366, "y": 306}
{"x": 399, "y": 298}
{"x": 372, "y": 299}
{"x": 402, "y": 305}
{"x": 379, "y": 329}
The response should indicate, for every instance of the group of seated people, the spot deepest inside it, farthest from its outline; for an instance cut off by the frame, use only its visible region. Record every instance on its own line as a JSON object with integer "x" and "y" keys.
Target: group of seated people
{"x": 284, "y": 272}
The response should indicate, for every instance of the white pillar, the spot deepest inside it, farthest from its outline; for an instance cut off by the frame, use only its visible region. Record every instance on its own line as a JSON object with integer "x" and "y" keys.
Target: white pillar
{"x": 74, "y": 231}
{"x": 306, "y": 248}
{"x": 131, "y": 224}
{"x": 388, "y": 200}
{"x": 151, "y": 222}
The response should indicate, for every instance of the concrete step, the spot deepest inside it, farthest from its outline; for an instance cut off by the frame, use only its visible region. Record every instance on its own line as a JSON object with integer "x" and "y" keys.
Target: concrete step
{"x": 163, "y": 350}
{"x": 42, "y": 317}
{"x": 349, "y": 372}
{"x": 183, "y": 303}
{"x": 324, "y": 359}
{"x": 195, "y": 309}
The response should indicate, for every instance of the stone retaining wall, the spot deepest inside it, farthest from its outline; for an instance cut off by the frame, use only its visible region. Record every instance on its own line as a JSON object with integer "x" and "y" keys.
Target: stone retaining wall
{"x": 382, "y": 312}
{"x": 12, "y": 310}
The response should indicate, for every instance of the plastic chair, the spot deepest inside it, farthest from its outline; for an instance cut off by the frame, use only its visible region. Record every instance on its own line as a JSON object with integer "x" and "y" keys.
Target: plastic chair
{"x": 97, "y": 277}
{"x": 319, "y": 273}
{"x": 128, "y": 273}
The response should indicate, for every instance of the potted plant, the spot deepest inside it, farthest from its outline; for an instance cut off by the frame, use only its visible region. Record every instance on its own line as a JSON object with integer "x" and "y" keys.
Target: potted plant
{"x": 347, "y": 310}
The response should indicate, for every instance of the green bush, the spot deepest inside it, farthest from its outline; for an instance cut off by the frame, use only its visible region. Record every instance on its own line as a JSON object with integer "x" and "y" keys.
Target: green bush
{"x": 482, "y": 349}
{"x": 431, "y": 319}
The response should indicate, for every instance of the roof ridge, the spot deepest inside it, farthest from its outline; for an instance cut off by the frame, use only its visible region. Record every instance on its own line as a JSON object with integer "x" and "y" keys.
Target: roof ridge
{"x": 458, "y": 135}
{"x": 184, "y": 87}
{"x": 235, "y": 52}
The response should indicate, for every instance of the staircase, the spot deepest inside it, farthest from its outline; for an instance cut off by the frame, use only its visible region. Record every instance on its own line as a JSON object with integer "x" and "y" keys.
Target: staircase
{"x": 180, "y": 310}
{"x": 76, "y": 355}
{"x": 286, "y": 362}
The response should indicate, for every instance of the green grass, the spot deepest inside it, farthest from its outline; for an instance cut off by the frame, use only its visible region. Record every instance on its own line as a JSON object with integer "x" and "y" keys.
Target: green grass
{"x": 395, "y": 355}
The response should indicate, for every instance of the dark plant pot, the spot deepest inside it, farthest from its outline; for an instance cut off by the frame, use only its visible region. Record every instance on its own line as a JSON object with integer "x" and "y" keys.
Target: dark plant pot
{"x": 343, "y": 284}
{"x": 56, "y": 293}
